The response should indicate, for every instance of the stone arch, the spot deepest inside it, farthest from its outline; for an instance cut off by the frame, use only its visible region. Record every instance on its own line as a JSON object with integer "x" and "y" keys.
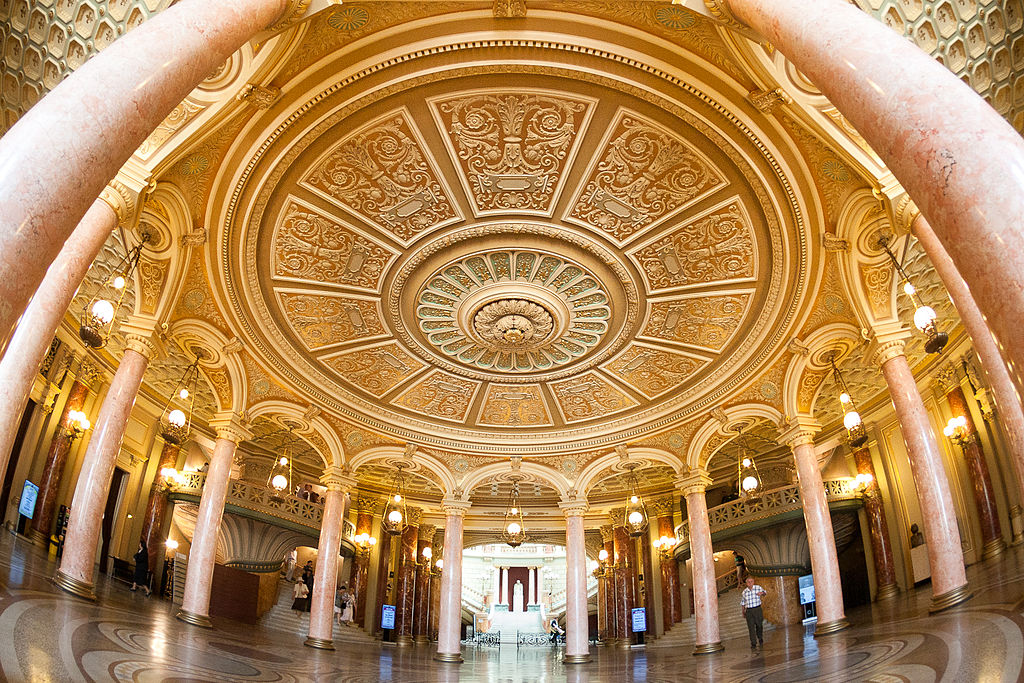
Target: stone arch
{"x": 533, "y": 472}
{"x": 314, "y": 430}
{"x": 165, "y": 216}
{"x": 806, "y": 372}
{"x": 420, "y": 461}
{"x": 647, "y": 456}
{"x": 191, "y": 334}
{"x": 738, "y": 415}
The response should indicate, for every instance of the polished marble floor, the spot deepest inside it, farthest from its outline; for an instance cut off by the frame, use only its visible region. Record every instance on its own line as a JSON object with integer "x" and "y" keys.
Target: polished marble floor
{"x": 46, "y": 635}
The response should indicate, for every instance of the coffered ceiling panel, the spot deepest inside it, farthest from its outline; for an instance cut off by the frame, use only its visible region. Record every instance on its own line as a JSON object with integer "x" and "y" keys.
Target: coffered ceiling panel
{"x": 325, "y": 320}
{"x": 512, "y": 149}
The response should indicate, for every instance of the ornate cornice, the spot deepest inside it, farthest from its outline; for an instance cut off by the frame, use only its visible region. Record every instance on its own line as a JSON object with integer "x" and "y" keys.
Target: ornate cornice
{"x": 720, "y": 12}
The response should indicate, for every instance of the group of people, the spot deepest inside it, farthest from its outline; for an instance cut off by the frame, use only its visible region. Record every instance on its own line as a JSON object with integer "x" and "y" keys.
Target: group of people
{"x": 344, "y": 601}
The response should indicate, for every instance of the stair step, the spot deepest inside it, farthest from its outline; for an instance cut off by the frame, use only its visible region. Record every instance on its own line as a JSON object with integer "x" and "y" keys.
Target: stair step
{"x": 281, "y": 617}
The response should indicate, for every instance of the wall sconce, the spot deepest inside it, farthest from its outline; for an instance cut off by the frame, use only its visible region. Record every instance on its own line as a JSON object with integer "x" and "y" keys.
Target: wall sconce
{"x": 171, "y": 546}
{"x": 438, "y": 566}
{"x": 665, "y": 545}
{"x": 956, "y": 430}
{"x": 172, "y": 479}
{"x": 863, "y": 481}
{"x": 425, "y": 556}
{"x": 364, "y": 542}
{"x": 78, "y": 424}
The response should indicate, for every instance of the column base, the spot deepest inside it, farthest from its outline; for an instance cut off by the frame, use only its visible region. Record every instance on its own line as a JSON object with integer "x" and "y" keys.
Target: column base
{"x": 950, "y": 599}
{"x": 74, "y": 586}
{"x": 403, "y": 640}
{"x": 39, "y": 539}
{"x": 993, "y": 548}
{"x": 194, "y": 618}
{"x": 830, "y": 627}
{"x": 624, "y": 643}
{"x": 708, "y": 648}
{"x": 887, "y": 592}
{"x": 450, "y": 657}
{"x": 576, "y": 659}
{"x": 420, "y": 640}
{"x": 319, "y": 643}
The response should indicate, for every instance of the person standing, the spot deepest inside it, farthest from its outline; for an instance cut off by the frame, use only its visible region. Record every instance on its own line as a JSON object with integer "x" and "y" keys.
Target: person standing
{"x": 300, "y": 595}
{"x": 142, "y": 568}
{"x": 291, "y": 560}
{"x": 307, "y": 578}
{"x": 750, "y": 600}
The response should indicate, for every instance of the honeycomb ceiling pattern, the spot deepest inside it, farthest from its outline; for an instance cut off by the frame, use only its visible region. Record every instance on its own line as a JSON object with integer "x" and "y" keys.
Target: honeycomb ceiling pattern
{"x": 981, "y": 41}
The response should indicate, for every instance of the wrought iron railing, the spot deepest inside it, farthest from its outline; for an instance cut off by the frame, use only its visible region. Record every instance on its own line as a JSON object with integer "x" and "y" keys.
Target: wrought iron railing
{"x": 770, "y": 504}
{"x": 258, "y": 499}
{"x": 489, "y": 638}
{"x": 532, "y": 639}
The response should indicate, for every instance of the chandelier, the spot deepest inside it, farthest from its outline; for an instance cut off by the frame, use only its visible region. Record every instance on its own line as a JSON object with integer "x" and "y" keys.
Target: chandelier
{"x": 924, "y": 316}
{"x": 396, "y": 514}
{"x": 635, "y": 520}
{"x": 855, "y": 431}
{"x": 280, "y": 478}
{"x": 514, "y": 531}
{"x": 174, "y": 423}
{"x": 747, "y": 477}
{"x": 97, "y": 319}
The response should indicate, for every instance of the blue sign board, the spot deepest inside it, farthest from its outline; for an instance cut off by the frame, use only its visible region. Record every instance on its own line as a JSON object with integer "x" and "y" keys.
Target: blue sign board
{"x": 387, "y": 617}
{"x": 28, "y": 499}
{"x": 639, "y": 619}
{"x": 806, "y": 584}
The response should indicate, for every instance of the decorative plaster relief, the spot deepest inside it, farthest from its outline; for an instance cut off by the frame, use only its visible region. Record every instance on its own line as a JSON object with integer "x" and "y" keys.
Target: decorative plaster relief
{"x": 322, "y": 320}
{"x": 440, "y": 395}
{"x": 376, "y": 370}
{"x": 587, "y": 396}
{"x": 653, "y": 371}
{"x": 708, "y": 321}
{"x": 514, "y": 405}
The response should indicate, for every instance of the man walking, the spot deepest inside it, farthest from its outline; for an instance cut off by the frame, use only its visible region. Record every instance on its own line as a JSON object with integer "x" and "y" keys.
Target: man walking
{"x": 750, "y": 600}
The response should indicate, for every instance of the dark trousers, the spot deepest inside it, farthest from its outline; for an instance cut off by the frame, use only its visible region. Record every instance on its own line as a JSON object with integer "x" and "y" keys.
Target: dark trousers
{"x": 755, "y": 625}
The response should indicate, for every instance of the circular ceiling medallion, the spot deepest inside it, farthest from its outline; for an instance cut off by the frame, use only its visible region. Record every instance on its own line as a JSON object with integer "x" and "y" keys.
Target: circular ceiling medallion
{"x": 513, "y": 311}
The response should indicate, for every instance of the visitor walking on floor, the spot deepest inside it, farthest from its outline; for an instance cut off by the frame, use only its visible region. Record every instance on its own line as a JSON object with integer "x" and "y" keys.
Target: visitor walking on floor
{"x": 142, "y": 568}
{"x": 750, "y": 600}
{"x": 307, "y": 578}
{"x": 300, "y": 595}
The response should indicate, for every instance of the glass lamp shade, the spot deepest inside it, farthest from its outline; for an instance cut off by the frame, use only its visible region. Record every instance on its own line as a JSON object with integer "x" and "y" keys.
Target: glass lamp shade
{"x": 602, "y": 555}
{"x": 428, "y": 553}
{"x": 279, "y": 482}
{"x": 923, "y": 317}
{"x": 395, "y": 517}
{"x": 851, "y": 419}
{"x": 174, "y": 429}
{"x": 176, "y": 418}
{"x": 102, "y": 311}
{"x": 749, "y": 483}
{"x": 96, "y": 318}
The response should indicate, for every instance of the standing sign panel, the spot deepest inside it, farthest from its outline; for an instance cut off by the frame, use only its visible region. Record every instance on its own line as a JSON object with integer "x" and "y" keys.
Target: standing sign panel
{"x": 387, "y": 617}
{"x": 28, "y": 499}
{"x": 806, "y": 584}
{"x": 639, "y": 619}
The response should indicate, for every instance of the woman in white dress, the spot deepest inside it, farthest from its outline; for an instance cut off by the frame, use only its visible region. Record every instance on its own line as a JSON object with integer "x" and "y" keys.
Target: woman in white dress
{"x": 343, "y": 607}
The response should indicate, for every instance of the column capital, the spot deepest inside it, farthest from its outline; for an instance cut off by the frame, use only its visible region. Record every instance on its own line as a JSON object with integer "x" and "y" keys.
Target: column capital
{"x": 720, "y": 12}
{"x": 904, "y": 214}
{"x": 338, "y": 479}
{"x": 427, "y": 532}
{"x": 663, "y": 506}
{"x": 800, "y": 431}
{"x": 695, "y": 481}
{"x": 607, "y": 533}
{"x": 573, "y": 508}
{"x": 889, "y": 342}
{"x": 138, "y": 334}
{"x": 123, "y": 196}
{"x": 367, "y": 504}
{"x": 617, "y": 515}
{"x": 455, "y": 507}
{"x": 231, "y": 427}
{"x": 415, "y": 516}
{"x": 87, "y": 373}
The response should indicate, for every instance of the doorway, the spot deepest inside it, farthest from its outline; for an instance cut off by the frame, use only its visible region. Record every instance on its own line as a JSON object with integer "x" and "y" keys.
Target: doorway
{"x": 109, "y": 512}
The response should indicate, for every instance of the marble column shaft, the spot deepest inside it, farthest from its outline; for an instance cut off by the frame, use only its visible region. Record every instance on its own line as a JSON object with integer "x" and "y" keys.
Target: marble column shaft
{"x": 671, "y": 601}
{"x": 532, "y": 586}
{"x": 195, "y": 604}
{"x": 53, "y": 171}
{"x": 646, "y": 596}
{"x": 949, "y": 578}
{"x": 959, "y": 160}
{"x": 577, "y": 649}
{"x": 56, "y": 459}
{"x": 383, "y": 569}
{"x": 449, "y": 628}
{"x": 325, "y": 578}
{"x": 610, "y": 592}
{"x": 625, "y": 576}
{"x": 878, "y": 527}
{"x": 705, "y": 587}
{"x": 421, "y": 614}
{"x": 32, "y": 337}
{"x": 90, "y": 499}
{"x": 361, "y": 566}
{"x": 602, "y": 607}
{"x": 405, "y": 596}
{"x": 828, "y": 586}
{"x": 981, "y": 480}
{"x": 156, "y": 506}
{"x": 1007, "y": 399}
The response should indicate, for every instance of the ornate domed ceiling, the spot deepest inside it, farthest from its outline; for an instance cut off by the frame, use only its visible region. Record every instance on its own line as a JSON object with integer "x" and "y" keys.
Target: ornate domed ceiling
{"x": 533, "y": 245}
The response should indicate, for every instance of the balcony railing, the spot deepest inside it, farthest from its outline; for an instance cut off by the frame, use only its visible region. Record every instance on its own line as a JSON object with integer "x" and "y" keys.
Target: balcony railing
{"x": 771, "y": 504}
{"x": 258, "y": 502}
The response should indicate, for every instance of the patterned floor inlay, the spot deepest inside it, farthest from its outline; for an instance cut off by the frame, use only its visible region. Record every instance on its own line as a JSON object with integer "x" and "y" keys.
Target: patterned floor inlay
{"x": 46, "y": 635}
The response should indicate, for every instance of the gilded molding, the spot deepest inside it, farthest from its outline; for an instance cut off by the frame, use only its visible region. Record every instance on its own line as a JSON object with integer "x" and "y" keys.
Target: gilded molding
{"x": 607, "y": 532}
{"x": 121, "y": 199}
{"x": 292, "y": 14}
{"x": 720, "y": 12}
{"x": 768, "y": 100}
{"x": 509, "y": 9}
{"x": 259, "y": 96}
{"x": 888, "y": 350}
{"x": 904, "y": 213}
{"x": 663, "y": 507}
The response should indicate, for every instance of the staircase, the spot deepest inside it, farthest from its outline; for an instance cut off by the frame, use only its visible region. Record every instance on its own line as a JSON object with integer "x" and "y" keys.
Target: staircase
{"x": 281, "y": 617}
{"x": 731, "y": 625}
{"x": 511, "y": 624}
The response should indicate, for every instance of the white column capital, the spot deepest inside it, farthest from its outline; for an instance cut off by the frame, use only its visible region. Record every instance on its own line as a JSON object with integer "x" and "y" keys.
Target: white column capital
{"x": 138, "y": 334}
{"x": 338, "y": 479}
{"x": 573, "y": 508}
{"x": 230, "y": 427}
{"x": 455, "y": 507}
{"x": 695, "y": 481}
{"x": 800, "y": 431}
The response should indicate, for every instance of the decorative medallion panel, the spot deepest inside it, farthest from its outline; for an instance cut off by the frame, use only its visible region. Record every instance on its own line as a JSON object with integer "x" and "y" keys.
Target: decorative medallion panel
{"x": 440, "y": 395}
{"x": 512, "y": 148}
{"x": 311, "y": 247}
{"x": 708, "y": 321}
{"x": 588, "y": 396}
{"x": 376, "y": 370}
{"x": 643, "y": 173}
{"x": 381, "y": 173}
{"x": 322, "y": 320}
{"x": 516, "y": 405}
{"x": 717, "y": 246}
{"x": 653, "y": 371}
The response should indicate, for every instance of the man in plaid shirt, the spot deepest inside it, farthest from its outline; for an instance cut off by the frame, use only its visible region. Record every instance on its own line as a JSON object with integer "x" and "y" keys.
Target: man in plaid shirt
{"x": 750, "y": 600}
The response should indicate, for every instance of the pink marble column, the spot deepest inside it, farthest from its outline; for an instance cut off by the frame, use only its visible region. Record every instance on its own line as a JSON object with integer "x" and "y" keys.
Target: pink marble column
{"x": 90, "y": 499}
{"x": 959, "y": 160}
{"x": 202, "y": 556}
{"x": 949, "y": 579}
{"x": 52, "y": 171}
{"x": 705, "y": 587}
{"x": 37, "y": 326}
{"x": 325, "y": 580}
{"x": 449, "y": 628}
{"x": 1008, "y": 403}
{"x": 828, "y": 587}
{"x": 577, "y": 648}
